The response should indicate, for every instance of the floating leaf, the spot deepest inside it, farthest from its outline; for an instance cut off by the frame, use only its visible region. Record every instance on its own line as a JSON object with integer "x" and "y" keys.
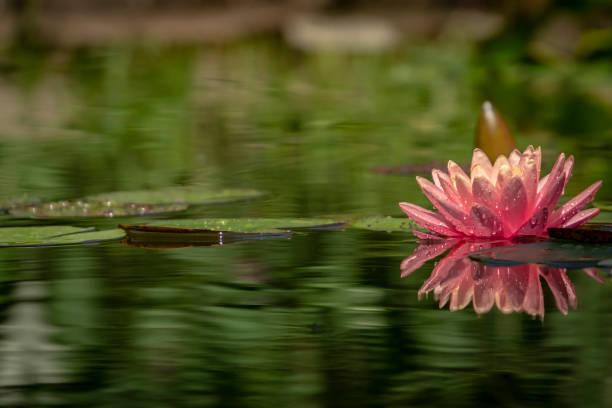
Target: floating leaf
{"x": 554, "y": 254}
{"x": 217, "y": 231}
{"x": 380, "y": 223}
{"x": 593, "y": 232}
{"x": 192, "y": 195}
{"x": 114, "y": 234}
{"x": 55, "y": 235}
{"x": 244, "y": 225}
{"x": 134, "y": 203}
{"x": 93, "y": 209}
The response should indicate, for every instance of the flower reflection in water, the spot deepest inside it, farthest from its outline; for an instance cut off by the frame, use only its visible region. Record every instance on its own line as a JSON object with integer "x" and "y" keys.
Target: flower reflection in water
{"x": 458, "y": 280}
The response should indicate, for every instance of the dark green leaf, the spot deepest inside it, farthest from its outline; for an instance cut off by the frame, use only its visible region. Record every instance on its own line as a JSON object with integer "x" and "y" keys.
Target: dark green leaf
{"x": 554, "y": 254}
{"x": 596, "y": 233}
{"x": 217, "y": 231}
{"x": 245, "y": 225}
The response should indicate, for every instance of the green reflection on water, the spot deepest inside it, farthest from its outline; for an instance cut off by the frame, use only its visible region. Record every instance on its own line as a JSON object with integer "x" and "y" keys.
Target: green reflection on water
{"x": 322, "y": 319}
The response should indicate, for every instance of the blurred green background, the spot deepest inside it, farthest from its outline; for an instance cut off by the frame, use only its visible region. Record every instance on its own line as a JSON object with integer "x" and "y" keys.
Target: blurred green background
{"x": 301, "y": 99}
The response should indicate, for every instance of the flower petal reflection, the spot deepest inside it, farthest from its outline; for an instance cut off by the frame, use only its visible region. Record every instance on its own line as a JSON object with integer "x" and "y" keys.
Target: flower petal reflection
{"x": 457, "y": 280}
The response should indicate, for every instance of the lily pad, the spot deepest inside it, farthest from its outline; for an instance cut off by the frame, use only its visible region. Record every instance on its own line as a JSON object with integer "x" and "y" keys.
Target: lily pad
{"x": 192, "y": 195}
{"x": 554, "y": 254}
{"x": 114, "y": 234}
{"x": 92, "y": 209}
{"x": 55, "y": 235}
{"x": 218, "y": 231}
{"x": 133, "y": 203}
{"x": 380, "y": 223}
{"x": 244, "y": 225}
{"x": 593, "y": 232}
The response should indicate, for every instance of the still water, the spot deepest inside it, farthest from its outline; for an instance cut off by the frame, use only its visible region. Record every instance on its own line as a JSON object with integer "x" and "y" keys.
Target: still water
{"x": 324, "y": 318}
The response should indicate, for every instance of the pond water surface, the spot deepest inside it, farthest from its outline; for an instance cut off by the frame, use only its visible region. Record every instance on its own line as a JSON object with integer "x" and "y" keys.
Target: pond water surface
{"x": 323, "y": 318}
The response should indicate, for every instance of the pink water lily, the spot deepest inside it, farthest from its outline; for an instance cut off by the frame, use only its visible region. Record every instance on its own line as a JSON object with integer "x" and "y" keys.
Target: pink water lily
{"x": 502, "y": 200}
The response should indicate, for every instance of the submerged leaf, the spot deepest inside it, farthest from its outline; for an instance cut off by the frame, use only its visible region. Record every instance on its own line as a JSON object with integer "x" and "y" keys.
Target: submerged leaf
{"x": 554, "y": 254}
{"x": 55, "y": 235}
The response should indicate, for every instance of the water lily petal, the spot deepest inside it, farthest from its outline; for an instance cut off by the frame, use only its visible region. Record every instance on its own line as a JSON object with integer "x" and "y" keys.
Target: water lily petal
{"x": 445, "y": 271}
{"x": 514, "y": 157}
{"x": 501, "y": 165}
{"x": 529, "y": 168}
{"x": 453, "y": 277}
{"x": 513, "y": 203}
{"x": 426, "y": 237}
{"x": 514, "y": 281}
{"x": 485, "y": 286}
{"x": 538, "y": 160}
{"x": 573, "y": 206}
{"x": 462, "y": 183}
{"x": 485, "y": 193}
{"x": 449, "y": 189}
{"x": 451, "y": 212}
{"x": 534, "y": 300}
{"x": 503, "y": 176}
{"x": 486, "y": 223}
{"x": 580, "y": 218}
{"x": 542, "y": 183}
{"x": 534, "y": 225}
{"x": 561, "y": 288}
{"x": 422, "y": 254}
{"x": 462, "y": 295}
{"x": 454, "y": 169}
{"x": 502, "y": 302}
{"x": 428, "y": 219}
{"x": 528, "y": 152}
{"x": 567, "y": 171}
{"x": 480, "y": 159}
{"x": 434, "y": 177}
{"x": 594, "y": 273}
{"x": 551, "y": 191}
